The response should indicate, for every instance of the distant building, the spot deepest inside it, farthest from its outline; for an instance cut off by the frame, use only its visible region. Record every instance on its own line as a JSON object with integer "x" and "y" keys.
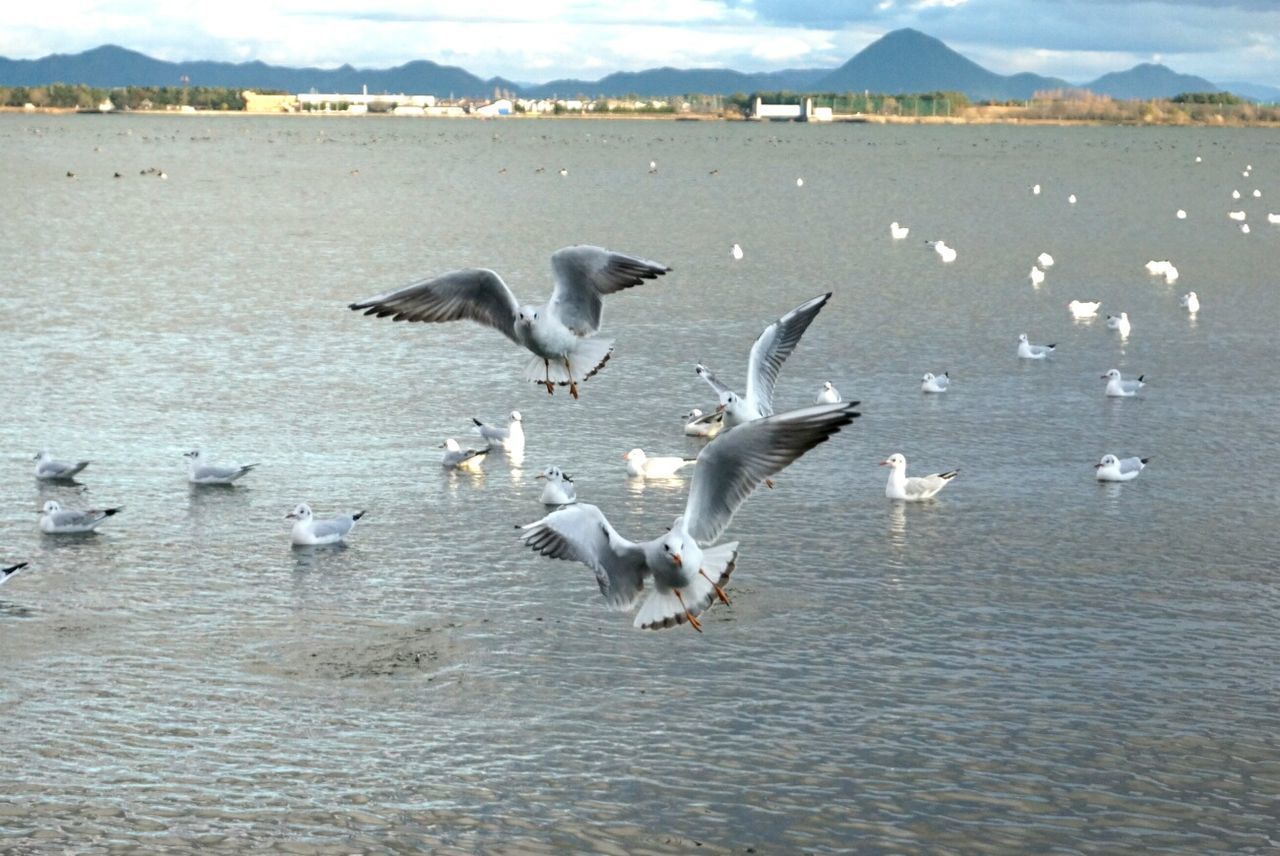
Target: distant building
{"x": 501, "y": 107}
{"x": 805, "y": 112}
{"x": 255, "y": 102}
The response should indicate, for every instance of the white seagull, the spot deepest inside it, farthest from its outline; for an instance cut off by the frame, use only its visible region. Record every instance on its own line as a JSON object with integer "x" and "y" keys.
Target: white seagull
{"x": 559, "y": 489}
{"x": 828, "y": 394}
{"x": 898, "y": 232}
{"x": 915, "y": 488}
{"x": 1112, "y": 468}
{"x": 199, "y": 471}
{"x": 56, "y": 520}
{"x": 1035, "y": 189}
{"x": 1162, "y": 268}
{"x": 307, "y": 530}
{"x": 698, "y": 424}
{"x": 1045, "y": 260}
{"x": 457, "y": 458}
{"x": 947, "y": 254}
{"x": 1072, "y": 199}
{"x": 1273, "y": 219}
{"x": 1235, "y": 194}
{"x": 1118, "y": 387}
{"x": 1192, "y": 302}
{"x": 510, "y": 438}
{"x": 561, "y": 333}
{"x": 640, "y": 465}
{"x": 687, "y": 573}
{"x": 1120, "y": 323}
{"x": 1037, "y": 275}
{"x": 736, "y": 252}
{"x": 935, "y": 383}
{"x": 1237, "y": 215}
{"x": 48, "y": 469}
{"x": 770, "y": 351}
{"x": 1181, "y": 214}
{"x": 8, "y": 573}
{"x": 1083, "y": 308}
{"x": 1028, "y": 351}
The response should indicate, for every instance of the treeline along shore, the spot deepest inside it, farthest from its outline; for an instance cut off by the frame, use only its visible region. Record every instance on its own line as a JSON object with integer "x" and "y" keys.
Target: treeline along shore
{"x": 1053, "y": 107}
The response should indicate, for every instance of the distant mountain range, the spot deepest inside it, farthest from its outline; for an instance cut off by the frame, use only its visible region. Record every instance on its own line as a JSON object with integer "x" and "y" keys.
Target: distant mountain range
{"x": 901, "y": 61}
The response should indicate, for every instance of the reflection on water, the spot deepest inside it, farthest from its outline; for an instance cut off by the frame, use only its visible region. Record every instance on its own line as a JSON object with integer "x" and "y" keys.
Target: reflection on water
{"x": 1031, "y": 663}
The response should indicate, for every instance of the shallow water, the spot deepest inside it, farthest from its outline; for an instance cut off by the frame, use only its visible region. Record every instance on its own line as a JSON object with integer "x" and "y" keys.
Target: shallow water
{"x": 1031, "y": 663}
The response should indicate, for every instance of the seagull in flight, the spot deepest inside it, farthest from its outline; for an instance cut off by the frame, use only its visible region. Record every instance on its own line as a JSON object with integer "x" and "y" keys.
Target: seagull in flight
{"x": 769, "y": 352}
{"x": 687, "y": 569}
{"x": 560, "y": 333}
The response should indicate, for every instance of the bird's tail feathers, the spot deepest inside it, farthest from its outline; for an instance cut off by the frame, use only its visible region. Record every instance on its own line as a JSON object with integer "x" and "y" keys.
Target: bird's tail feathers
{"x": 949, "y": 475}
{"x": 663, "y": 609}
{"x": 587, "y": 358}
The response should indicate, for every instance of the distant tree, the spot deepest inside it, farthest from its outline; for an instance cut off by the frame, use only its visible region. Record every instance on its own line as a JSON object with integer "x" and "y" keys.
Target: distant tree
{"x": 1207, "y": 98}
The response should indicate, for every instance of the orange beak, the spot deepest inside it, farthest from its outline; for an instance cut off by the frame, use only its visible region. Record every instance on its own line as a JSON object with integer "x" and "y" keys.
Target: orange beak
{"x": 675, "y": 557}
{"x": 884, "y": 463}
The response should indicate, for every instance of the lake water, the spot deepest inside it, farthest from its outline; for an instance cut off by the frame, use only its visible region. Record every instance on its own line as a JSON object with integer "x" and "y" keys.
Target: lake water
{"x": 1033, "y": 662}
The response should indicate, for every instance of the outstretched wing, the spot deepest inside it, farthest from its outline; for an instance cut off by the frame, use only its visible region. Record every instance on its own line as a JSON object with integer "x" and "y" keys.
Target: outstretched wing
{"x": 475, "y": 294}
{"x": 581, "y": 533}
{"x": 773, "y": 347}
{"x": 705, "y": 374}
{"x": 736, "y": 462}
{"x": 584, "y": 274}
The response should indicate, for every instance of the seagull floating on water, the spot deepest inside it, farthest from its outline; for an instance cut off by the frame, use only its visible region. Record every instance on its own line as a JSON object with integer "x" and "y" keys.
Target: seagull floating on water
{"x": 1072, "y": 199}
{"x": 898, "y": 232}
{"x": 828, "y": 394}
{"x": 47, "y": 469}
{"x": 1037, "y": 275}
{"x": 1237, "y": 215}
{"x": 736, "y": 252}
{"x": 947, "y": 254}
{"x": 1083, "y": 308}
{"x": 561, "y": 333}
{"x": 1181, "y": 214}
{"x": 768, "y": 353}
{"x": 457, "y": 458}
{"x": 1120, "y": 323}
{"x": 559, "y": 489}
{"x": 1235, "y": 194}
{"x": 1035, "y": 189}
{"x": 698, "y": 424}
{"x": 1163, "y": 268}
{"x": 1046, "y": 260}
{"x": 199, "y": 471}
{"x": 915, "y": 488}
{"x": 1028, "y": 351}
{"x": 56, "y": 520}
{"x": 687, "y": 573}
{"x": 935, "y": 383}
{"x": 1116, "y": 469}
{"x": 307, "y": 530}
{"x": 509, "y": 439}
{"x": 1191, "y": 302}
{"x": 1273, "y": 219}
{"x": 1118, "y": 387}
{"x": 640, "y": 465}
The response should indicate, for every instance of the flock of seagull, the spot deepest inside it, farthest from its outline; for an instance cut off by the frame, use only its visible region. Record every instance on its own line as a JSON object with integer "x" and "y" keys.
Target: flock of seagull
{"x": 676, "y": 576}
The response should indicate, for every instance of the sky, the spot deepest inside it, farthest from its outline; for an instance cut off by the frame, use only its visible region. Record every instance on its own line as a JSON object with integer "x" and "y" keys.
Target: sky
{"x": 534, "y": 41}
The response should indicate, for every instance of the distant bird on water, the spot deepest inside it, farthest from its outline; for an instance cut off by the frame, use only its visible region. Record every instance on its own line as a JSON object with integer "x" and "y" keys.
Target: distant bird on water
{"x": 307, "y": 530}
{"x": 47, "y": 469}
{"x": 1028, "y": 351}
{"x": 560, "y": 333}
{"x": 56, "y": 520}
{"x": 828, "y": 394}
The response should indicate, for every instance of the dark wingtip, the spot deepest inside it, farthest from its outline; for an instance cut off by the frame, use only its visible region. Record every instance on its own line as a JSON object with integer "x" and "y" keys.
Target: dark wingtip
{"x": 1144, "y": 460}
{"x": 358, "y": 515}
{"x": 477, "y": 421}
{"x": 110, "y": 511}
{"x": 1054, "y": 345}
{"x": 1140, "y": 377}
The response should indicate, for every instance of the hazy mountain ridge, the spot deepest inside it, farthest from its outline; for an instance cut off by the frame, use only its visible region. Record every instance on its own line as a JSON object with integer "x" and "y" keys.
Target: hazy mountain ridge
{"x": 901, "y": 61}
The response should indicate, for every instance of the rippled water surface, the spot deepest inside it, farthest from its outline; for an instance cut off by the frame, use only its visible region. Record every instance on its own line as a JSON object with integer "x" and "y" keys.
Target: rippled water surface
{"x": 1031, "y": 663}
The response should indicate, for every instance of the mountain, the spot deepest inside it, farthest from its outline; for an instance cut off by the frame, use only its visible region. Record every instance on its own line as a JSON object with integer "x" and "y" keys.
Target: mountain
{"x": 909, "y": 61}
{"x": 110, "y": 66}
{"x": 1253, "y": 91}
{"x": 658, "y": 82}
{"x": 1149, "y": 81}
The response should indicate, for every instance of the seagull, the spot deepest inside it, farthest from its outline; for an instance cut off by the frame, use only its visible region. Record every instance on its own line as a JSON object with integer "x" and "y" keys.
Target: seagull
{"x": 1235, "y": 194}
{"x": 799, "y": 182}
{"x": 770, "y": 351}
{"x": 828, "y": 394}
{"x": 698, "y": 424}
{"x": 7, "y": 573}
{"x": 687, "y": 573}
{"x": 1045, "y": 260}
{"x": 559, "y": 489}
{"x": 200, "y": 472}
{"x": 898, "y": 232}
{"x": 1035, "y": 189}
{"x": 641, "y": 465}
{"x": 1192, "y": 302}
{"x": 1163, "y": 268}
{"x": 1273, "y": 219}
{"x": 510, "y": 438}
{"x": 1120, "y": 323}
{"x": 1028, "y": 351}
{"x": 1072, "y": 199}
{"x": 560, "y": 333}
{"x": 915, "y": 488}
{"x": 307, "y": 530}
{"x": 1257, "y": 194}
{"x": 1112, "y": 468}
{"x": 1237, "y": 215}
{"x": 48, "y": 469}
{"x": 1083, "y": 309}
{"x": 934, "y": 383}
{"x": 1181, "y": 214}
{"x": 457, "y": 458}
{"x": 1244, "y": 227}
{"x": 736, "y": 252}
{"x": 1037, "y": 275}
{"x": 1118, "y": 387}
{"x": 56, "y": 520}
{"x": 947, "y": 254}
